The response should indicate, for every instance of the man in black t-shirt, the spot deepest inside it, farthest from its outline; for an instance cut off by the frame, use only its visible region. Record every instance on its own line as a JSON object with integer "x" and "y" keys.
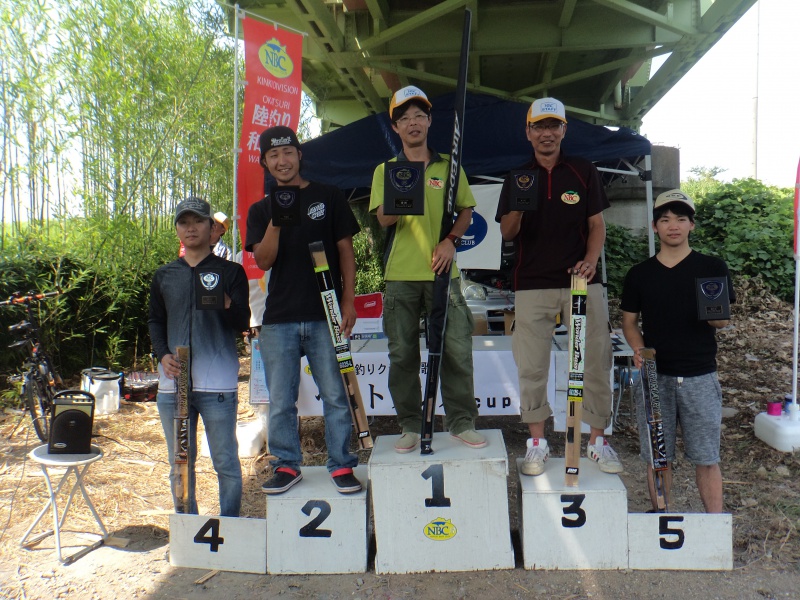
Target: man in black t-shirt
{"x": 294, "y": 320}
{"x": 662, "y": 290}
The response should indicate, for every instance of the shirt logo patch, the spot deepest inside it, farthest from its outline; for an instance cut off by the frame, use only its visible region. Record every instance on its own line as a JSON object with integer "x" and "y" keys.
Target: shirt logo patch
{"x": 570, "y": 197}
{"x": 317, "y": 211}
{"x": 436, "y": 183}
{"x": 209, "y": 280}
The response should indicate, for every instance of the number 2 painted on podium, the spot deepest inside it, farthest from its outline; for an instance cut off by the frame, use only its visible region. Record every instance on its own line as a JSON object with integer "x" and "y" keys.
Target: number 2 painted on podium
{"x": 311, "y": 529}
{"x": 436, "y": 474}
{"x": 574, "y": 508}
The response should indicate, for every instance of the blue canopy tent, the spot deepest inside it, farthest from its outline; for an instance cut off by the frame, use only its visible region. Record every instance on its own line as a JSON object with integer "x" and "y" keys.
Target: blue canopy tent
{"x": 494, "y": 143}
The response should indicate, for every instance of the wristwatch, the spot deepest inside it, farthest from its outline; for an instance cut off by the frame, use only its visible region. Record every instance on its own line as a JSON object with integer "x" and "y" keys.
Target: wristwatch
{"x": 455, "y": 239}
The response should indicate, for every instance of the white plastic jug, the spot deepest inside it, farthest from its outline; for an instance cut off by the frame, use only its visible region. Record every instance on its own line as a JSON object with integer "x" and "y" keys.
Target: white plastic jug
{"x": 103, "y": 384}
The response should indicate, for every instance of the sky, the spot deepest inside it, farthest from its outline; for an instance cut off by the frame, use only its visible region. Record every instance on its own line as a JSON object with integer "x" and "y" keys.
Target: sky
{"x": 710, "y": 113}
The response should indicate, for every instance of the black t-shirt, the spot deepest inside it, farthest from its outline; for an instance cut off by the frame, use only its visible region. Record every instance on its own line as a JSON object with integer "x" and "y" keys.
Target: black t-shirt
{"x": 325, "y": 216}
{"x": 553, "y": 237}
{"x": 667, "y": 300}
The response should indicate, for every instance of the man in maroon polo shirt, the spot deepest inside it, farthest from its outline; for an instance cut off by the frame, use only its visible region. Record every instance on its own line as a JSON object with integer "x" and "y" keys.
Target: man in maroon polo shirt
{"x": 563, "y": 231}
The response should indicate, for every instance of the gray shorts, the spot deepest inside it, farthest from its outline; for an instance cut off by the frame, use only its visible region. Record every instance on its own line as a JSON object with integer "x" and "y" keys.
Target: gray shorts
{"x": 695, "y": 403}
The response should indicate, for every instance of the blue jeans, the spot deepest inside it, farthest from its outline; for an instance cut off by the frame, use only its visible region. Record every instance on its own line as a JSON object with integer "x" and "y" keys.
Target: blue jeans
{"x": 281, "y": 347}
{"x": 219, "y": 418}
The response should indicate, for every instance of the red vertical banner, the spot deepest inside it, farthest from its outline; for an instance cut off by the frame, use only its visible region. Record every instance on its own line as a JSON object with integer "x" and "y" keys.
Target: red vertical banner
{"x": 273, "y": 71}
{"x": 796, "y": 211}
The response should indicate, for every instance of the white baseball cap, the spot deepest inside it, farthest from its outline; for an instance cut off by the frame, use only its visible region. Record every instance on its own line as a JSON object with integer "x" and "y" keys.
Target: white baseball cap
{"x": 546, "y": 108}
{"x": 673, "y": 196}
{"x": 407, "y": 94}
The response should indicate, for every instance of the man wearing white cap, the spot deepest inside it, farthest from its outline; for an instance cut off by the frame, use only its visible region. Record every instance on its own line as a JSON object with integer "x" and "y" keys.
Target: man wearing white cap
{"x": 663, "y": 290}
{"x": 565, "y": 233}
{"x": 218, "y": 229}
{"x": 413, "y": 256}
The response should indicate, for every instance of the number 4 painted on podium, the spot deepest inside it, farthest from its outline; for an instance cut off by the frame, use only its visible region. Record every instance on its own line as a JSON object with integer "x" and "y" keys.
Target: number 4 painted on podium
{"x": 213, "y": 541}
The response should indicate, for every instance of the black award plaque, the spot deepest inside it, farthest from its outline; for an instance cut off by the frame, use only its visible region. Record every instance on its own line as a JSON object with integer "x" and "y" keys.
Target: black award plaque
{"x": 713, "y": 303}
{"x": 285, "y": 205}
{"x": 404, "y": 188}
{"x": 523, "y": 190}
{"x": 209, "y": 292}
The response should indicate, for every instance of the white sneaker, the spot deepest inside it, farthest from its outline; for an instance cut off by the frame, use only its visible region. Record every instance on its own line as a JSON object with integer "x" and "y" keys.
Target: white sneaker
{"x": 535, "y": 457}
{"x": 603, "y": 454}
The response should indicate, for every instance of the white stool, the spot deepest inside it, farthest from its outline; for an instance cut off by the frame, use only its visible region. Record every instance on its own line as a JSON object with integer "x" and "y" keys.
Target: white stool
{"x": 77, "y": 464}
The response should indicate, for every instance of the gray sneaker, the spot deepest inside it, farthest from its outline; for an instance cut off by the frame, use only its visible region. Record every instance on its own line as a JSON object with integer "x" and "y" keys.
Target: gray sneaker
{"x": 407, "y": 442}
{"x": 603, "y": 454}
{"x": 471, "y": 438}
{"x": 535, "y": 457}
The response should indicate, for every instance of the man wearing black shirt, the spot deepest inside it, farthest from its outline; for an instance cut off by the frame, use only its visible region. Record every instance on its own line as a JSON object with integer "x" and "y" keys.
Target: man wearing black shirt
{"x": 662, "y": 290}
{"x": 294, "y": 320}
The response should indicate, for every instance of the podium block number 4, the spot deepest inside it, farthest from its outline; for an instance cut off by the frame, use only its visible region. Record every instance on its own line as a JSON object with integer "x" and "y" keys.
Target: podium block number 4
{"x": 436, "y": 474}
{"x": 311, "y": 529}
{"x": 214, "y": 541}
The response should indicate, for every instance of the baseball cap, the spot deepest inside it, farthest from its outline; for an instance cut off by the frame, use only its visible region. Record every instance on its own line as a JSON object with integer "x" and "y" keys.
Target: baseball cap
{"x": 546, "y": 108}
{"x": 673, "y": 196}
{"x": 407, "y": 94}
{"x": 222, "y": 219}
{"x": 275, "y": 137}
{"x": 194, "y": 205}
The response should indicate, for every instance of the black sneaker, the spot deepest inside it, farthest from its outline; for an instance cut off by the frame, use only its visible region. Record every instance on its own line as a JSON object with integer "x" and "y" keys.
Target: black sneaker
{"x": 345, "y": 481}
{"x": 281, "y": 480}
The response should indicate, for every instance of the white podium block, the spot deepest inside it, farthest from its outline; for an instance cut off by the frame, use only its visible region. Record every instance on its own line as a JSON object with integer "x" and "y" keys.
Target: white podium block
{"x": 224, "y": 543}
{"x": 582, "y": 527}
{"x": 447, "y": 511}
{"x": 313, "y": 529}
{"x": 686, "y": 541}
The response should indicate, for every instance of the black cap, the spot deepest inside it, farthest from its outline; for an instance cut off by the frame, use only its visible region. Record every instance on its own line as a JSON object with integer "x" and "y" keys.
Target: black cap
{"x": 194, "y": 205}
{"x": 275, "y": 137}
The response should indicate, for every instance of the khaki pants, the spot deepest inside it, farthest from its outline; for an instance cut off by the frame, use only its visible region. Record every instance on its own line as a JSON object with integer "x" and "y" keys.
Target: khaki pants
{"x": 536, "y": 312}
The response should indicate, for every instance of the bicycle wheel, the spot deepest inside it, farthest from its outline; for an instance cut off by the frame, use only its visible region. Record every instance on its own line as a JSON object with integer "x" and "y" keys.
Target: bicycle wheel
{"x": 39, "y": 402}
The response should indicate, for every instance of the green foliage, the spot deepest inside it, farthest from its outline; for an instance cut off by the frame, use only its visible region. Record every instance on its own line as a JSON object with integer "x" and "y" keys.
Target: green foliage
{"x": 623, "y": 250}
{"x": 749, "y": 225}
{"x": 368, "y": 248}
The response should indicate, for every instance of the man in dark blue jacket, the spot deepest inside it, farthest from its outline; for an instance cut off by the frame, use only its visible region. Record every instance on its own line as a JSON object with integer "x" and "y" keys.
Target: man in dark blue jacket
{"x": 211, "y": 336}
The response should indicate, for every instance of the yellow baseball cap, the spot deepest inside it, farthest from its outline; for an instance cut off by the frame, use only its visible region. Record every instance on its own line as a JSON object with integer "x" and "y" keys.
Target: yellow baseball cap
{"x": 407, "y": 94}
{"x": 546, "y": 108}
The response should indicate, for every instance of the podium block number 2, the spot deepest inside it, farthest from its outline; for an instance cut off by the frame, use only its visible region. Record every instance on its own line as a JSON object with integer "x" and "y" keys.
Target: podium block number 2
{"x": 436, "y": 474}
{"x": 311, "y": 529}
{"x": 573, "y": 509}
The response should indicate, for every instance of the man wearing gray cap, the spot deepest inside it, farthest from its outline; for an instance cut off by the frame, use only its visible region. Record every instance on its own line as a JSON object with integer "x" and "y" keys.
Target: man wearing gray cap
{"x": 211, "y": 336}
{"x": 563, "y": 233}
{"x": 294, "y": 320}
{"x": 663, "y": 291}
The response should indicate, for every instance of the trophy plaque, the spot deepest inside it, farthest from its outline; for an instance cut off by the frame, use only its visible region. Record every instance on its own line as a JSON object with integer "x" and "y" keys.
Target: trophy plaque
{"x": 713, "y": 302}
{"x": 404, "y": 188}
{"x": 209, "y": 292}
{"x": 285, "y": 205}
{"x": 523, "y": 190}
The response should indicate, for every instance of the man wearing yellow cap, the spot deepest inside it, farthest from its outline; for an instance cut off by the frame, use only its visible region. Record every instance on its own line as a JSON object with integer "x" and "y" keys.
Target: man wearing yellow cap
{"x": 414, "y": 255}
{"x": 563, "y": 233}
{"x": 218, "y": 229}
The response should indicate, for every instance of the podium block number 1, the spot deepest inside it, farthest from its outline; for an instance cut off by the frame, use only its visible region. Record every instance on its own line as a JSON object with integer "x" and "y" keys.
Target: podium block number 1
{"x": 310, "y": 530}
{"x": 436, "y": 474}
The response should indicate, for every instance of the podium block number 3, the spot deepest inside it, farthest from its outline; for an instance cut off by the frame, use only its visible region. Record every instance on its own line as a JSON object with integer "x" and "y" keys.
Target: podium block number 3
{"x": 436, "y": 474}
{"x": 214, "y": 541}
{"x": 573, "y": 508}
{"x": 311, "y": 529}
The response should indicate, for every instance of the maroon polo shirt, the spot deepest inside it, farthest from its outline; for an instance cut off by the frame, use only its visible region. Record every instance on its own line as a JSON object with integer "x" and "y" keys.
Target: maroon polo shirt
{"x": 553, "y": 237}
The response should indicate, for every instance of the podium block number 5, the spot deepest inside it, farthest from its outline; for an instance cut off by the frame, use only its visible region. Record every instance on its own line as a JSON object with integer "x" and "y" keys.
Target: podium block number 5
{"x": 573, "y": 508}
{"x": 311, "y": 528}
{"x": 665, "y": 530}
{"x": 436, "y": 474}
{"x": 214, "y": 541}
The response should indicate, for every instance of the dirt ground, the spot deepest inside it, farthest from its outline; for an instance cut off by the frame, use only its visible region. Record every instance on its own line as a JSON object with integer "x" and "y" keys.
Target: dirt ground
{"x": 130, "y": 490}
